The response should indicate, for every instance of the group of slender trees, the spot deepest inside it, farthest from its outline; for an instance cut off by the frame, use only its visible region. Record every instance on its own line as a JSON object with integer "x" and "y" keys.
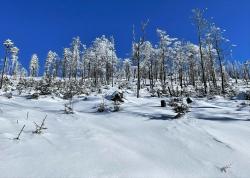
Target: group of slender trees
{"x": 97, "y": 62}
{"x": 171, "y": 62}
{"x": 11, "y": 65}
{"x": 208, "y": 63}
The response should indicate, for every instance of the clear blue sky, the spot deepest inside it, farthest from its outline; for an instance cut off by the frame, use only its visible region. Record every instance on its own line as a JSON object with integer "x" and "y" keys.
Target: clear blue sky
{"x": 36, "y": 26}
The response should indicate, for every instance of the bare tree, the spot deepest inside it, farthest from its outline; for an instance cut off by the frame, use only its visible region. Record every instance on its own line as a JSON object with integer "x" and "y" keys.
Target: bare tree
{"x": 137, "y": 45}
{"x": 201, "y": 25}
{"x": 219, "y": 44}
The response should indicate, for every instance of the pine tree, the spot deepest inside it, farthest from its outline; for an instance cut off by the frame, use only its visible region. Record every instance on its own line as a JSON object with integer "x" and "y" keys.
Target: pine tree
{"x": 14, "y": 60}
{"x": 75, "y": 63}
{"x": 34, "y": 66}
{"x": 66, "y": 63}
{"x": 8, "y": 44}
{"x": 50, "y": 65}
{"x": 127, "y": 68}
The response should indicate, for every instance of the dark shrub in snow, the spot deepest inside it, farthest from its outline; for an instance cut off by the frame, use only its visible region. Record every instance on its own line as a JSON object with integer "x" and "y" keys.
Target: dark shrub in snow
{"x": 116, "y": 97}
{"x": 33, "y": 96}
{"x": 244, "y": 95}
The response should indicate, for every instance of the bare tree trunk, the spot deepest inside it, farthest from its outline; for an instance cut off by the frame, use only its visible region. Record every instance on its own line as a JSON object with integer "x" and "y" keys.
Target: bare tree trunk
{"x": 235, "y": 73}
{"x": 137, "y": 55}
{"x": 212, "y": 68}
{"x": 202, "y": 62}
{"x": 221, "y": 68}
{"x": 138, "y": 74}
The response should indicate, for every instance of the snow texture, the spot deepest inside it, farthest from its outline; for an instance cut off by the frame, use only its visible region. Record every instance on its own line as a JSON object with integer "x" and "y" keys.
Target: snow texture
{"x": 141, "y": 140}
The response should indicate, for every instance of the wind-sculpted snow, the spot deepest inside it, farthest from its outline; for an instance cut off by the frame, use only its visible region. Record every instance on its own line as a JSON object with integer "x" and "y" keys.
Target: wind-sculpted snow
{"x": 141, "y": 140}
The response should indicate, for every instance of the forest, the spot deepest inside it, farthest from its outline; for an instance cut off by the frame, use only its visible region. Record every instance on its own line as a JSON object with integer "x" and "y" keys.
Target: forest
{"x": 173, "y": 108}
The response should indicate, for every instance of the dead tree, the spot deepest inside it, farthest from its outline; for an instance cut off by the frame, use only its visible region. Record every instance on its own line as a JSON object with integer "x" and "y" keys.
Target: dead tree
{"x": 137, "y": 53}
{"x": 201, "y": 25}
{"x": 41, "y": 127}
{"x": 219, "y": 44}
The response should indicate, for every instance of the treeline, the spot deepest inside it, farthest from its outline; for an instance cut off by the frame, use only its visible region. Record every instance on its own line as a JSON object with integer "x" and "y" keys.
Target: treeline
{"x": 207, "y": 65}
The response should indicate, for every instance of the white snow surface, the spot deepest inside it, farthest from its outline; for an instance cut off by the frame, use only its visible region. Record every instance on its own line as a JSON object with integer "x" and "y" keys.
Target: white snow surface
{"x": 140, "y": 141}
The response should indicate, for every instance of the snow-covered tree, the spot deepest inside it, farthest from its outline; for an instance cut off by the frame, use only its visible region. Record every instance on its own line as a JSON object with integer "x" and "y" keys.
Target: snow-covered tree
{"x": 23, "y": 72}
{"x": 8, "y": 44}
{"x": 180, "y": 57}
{"x": 75, "y": 59}
{"x": 201, "y": 27}
{"x": 219, "y": 42}
{"x": 192, "y": 58}
{"x": 127, "y": 68}
{"x": 165, "y": 43}
{"x": 100, "y": 60}
{"x": 136, "y": 53}
{"x": 14, "y": 60}
{"x": 211, "y": 62}
{"x": 50, "y": 65}
{"x": 66, "y": 63}
{"x": 34, "y": 66}
{"x": 147, "y": 53}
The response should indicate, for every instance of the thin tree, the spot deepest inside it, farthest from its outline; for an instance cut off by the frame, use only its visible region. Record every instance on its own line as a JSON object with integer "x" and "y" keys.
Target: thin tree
{"x": 8, "y": 44}
{"x": 201, "y": 24}
{"x": 137, "y": 52}
{"x": 218, "y": 43}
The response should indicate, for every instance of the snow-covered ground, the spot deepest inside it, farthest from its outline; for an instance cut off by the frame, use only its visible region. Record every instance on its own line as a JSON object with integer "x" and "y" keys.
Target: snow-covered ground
{"x": 140, "y": 141}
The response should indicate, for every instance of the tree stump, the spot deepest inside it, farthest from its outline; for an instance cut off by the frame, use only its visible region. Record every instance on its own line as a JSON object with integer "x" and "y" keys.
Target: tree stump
{"x": 163, "y": 103}
{"x": 189, "y": 100}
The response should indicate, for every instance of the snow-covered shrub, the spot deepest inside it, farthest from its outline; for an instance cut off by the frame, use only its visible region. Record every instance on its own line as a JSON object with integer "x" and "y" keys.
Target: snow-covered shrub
{"x": 99, "y": 91}
{"x": 40, "y": 127}
{"x": 7, "y": 84}
{"x": 102, "y": 107}
{"x": 200, "y": 92}
{"x": 244, "y": 95}
{"x": 214, "y": 91}
{"x": 33, "y": 96}
{"x": 116, "y": 96}
{"x": 174, "y": 101}
{"x": 123, "y": 84}
{"x": 178, "y": 106}
{"x": 68, "y": 109}
{"x": 8, "y": 95}
{"x": 116, "y": 107}
{"x": 43, "y": 87}
{"x": 181, "y": 108}
{"x": 159, "y": 93}
{"x": 153, "y": 92}
{"x": 21, "y": 86}
{"x": 106, "y": 87}
{"x": 67, "y": 95}
{"x": 248, "y": 95}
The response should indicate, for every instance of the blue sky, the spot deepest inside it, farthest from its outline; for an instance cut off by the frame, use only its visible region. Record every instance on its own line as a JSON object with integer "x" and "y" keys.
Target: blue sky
{"x": 37, "y": 26}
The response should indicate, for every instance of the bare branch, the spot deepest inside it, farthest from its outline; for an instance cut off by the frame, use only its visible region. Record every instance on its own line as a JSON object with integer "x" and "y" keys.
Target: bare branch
{"x": 18, "y": 137}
